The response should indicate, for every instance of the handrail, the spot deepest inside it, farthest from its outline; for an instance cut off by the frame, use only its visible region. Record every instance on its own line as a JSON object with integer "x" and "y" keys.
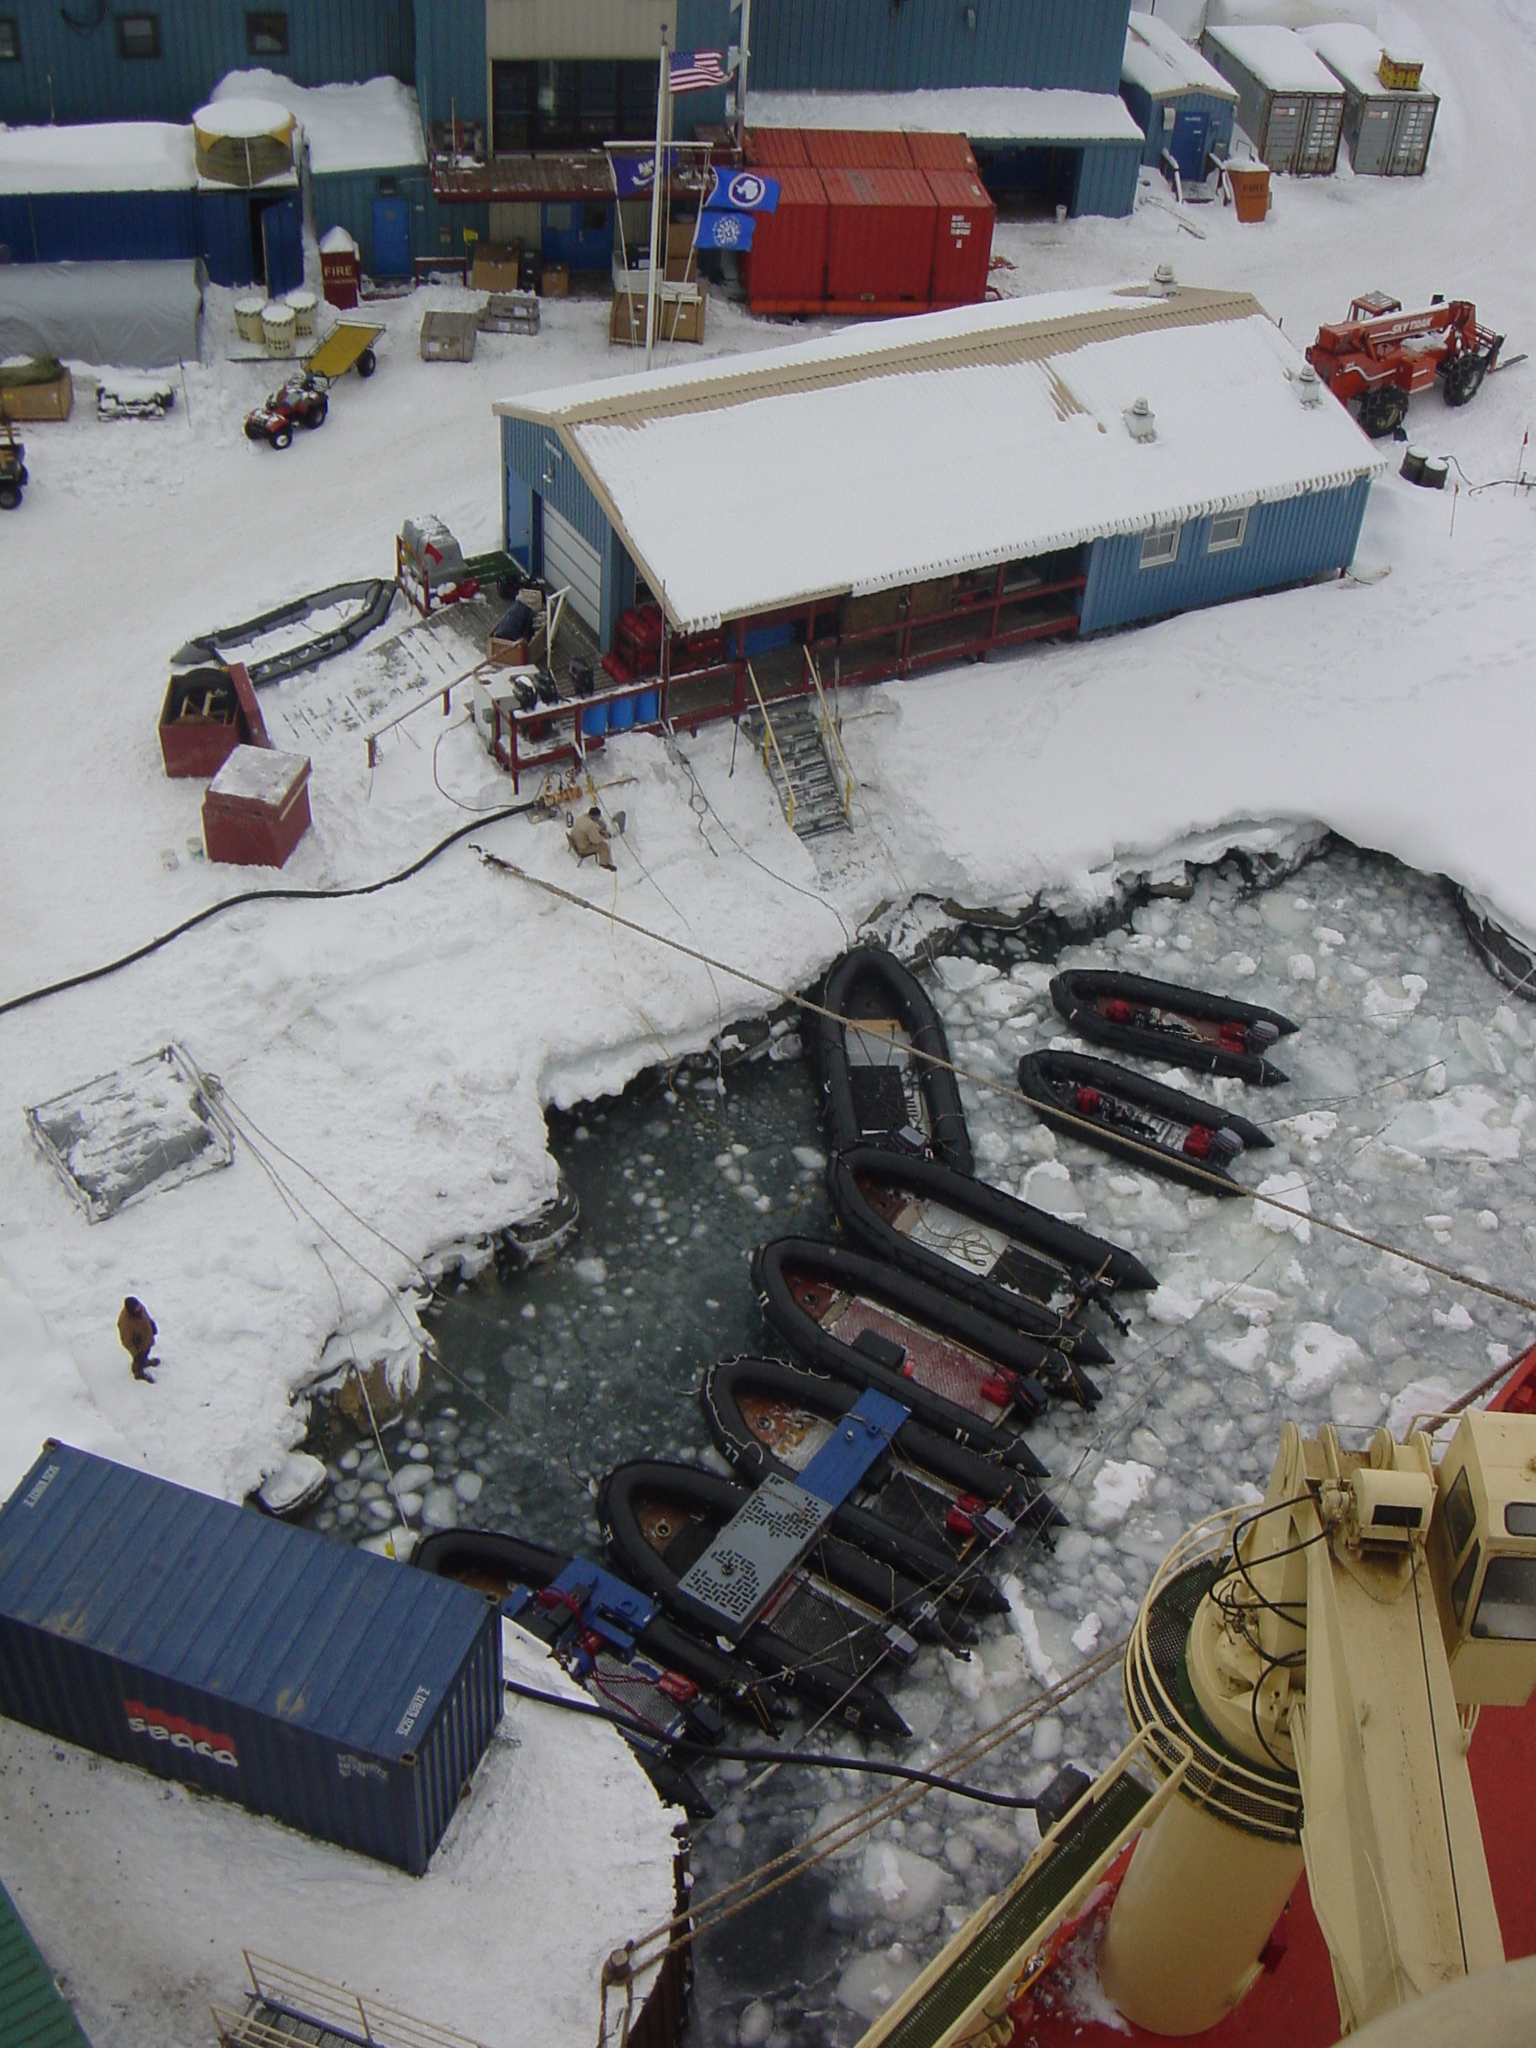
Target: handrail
{"x": 770, "y": 737}
{"x": 832, "y": 736}
{"x": 282, "y": 1990}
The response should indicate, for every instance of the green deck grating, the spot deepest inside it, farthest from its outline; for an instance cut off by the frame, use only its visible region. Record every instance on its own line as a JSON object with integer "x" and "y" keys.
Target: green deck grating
{"x": 1020, "y": 1914}
{"x": 33, "y": 2013}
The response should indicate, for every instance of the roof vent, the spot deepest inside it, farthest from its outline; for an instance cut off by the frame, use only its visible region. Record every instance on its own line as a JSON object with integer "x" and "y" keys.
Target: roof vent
{"x": 1139, "y": 421}
{"x": 1164, "y": 283}
{"x": 1309, "y": 386}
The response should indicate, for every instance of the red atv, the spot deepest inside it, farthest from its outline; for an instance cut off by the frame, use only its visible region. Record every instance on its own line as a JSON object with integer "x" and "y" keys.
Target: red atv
{"x": 303, "y": 401}
{"x": 1380, "y": 355}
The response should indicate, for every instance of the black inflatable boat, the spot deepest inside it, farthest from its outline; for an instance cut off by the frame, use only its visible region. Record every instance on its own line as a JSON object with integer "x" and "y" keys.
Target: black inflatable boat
{"x": 1157, "y": 1128}
{"x": 876, "y": 1062}
{"x": 1012, "y": 1261}
{"x": 829, "y": 1627}
{"x": 1161, "y": 1020}
{"x": 957, "y": 1370}
{"x": 930, "y": 1506}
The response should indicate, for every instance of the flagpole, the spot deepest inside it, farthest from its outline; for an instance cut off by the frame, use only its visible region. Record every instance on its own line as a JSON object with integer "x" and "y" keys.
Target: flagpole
{"x": 662, "y": 87}
{"x": 745, "y": 33}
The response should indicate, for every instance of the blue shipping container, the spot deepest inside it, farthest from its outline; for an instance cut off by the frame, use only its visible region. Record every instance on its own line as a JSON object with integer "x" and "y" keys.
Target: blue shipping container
{"x": 309, "y": 1681}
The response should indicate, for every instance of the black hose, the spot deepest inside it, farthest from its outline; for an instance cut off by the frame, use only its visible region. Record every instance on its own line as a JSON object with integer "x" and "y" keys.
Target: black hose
{"x": 58, "y": 988}
{"x": 819, "y": 1761}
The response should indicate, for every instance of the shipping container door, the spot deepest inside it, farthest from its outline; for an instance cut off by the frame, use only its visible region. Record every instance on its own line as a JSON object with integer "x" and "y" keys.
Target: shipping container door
{"x": 571, "y": 559}
{"x": 1319, "y": 150}
{"x": 391, "y": 255}
{"x": 1373, "y": 144}
{"x": 1191, "y": 137}
{"x": 1282, "y": 134}
{"x": 282, "y": 252}
{"x": 1410, "y": 145}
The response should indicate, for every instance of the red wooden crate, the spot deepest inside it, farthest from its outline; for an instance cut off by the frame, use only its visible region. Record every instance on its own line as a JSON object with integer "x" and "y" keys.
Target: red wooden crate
{"x": 962, "y": 243}
{"x": 191, "y": 745}
{"x": 257, "y": 808}
{"x": 880, "y": 233}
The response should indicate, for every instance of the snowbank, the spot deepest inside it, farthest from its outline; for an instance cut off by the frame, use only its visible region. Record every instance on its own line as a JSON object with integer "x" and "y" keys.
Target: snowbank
{"x": 371, "y": 127}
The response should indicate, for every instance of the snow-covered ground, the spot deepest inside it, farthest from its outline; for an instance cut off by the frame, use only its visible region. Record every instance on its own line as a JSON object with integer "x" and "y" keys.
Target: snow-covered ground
{"x": 387, "y": 1060}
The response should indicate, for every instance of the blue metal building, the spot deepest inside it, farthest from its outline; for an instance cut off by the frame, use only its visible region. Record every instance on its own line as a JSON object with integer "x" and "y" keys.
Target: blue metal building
{"x": 1073, "y": 519}
{"x": 86, "y": 61}
{"x": 1182, "y": 104}
{"x": 872, "y": 46}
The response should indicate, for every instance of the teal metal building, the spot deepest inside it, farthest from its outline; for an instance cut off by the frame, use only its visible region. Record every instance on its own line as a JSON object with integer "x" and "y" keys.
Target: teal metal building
{"x": 33, "y": 2010}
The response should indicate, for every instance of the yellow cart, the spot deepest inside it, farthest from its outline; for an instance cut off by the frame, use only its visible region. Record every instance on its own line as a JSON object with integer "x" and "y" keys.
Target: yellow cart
{"x": 348, "y": 346}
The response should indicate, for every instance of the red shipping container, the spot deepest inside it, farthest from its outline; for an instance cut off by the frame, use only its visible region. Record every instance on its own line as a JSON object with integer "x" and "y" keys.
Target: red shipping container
{"x": 941, "y": 152}
{"x": 880, "y": 232}
{"x": 785, "y": 270}
{"x": 257, "y": 808}
{"x": 766, "y": 146}
{"x": 962, "y": 245}
{"x": 857, "y": 149}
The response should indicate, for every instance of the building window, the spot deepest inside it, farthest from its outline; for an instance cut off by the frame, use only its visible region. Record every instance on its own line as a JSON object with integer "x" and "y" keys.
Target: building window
{"x": 266, "y": 35}
{"x": 10, "y": 41}
{"x": 138, "y": 35}
{"x": 571, "y": 105}
{"x": 1228, "y": 530}
{"x": 1159, "y": 547}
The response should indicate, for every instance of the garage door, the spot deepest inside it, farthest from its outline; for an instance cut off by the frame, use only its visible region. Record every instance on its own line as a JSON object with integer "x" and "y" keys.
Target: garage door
{"x": 568, "y": 558}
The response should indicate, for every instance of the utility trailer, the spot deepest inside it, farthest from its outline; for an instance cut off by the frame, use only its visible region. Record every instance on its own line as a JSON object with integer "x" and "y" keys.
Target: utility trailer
{"x": 1381, "y": 355}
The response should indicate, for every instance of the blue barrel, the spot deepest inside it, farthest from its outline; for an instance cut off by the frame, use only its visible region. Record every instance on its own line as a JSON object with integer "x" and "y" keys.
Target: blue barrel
{"x": 621, "y": 714}
{"x": 594, "y": 721}
{"x": 648, "y": 707}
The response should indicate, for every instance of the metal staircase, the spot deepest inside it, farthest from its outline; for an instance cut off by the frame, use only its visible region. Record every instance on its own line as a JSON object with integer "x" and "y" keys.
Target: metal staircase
{"x": 803, "y": 754}
{"x": 288, "y": 2008}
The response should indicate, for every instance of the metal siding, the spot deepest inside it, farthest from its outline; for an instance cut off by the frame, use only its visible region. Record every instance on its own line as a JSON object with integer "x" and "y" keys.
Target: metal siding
{"x": 33, "y": 2011}
{"x": 1289, "y": 541}
{"x": 69, "y": 75}
{"x": 869, "y": 45}
{"x": 1106, "y": 179}
{"x": 452, "y": 70}
{"x": 224, "y": 236}
{"x": 345, "y": 199}
{"x": 116, "y": 1586}
{"x": 99, "y": 227}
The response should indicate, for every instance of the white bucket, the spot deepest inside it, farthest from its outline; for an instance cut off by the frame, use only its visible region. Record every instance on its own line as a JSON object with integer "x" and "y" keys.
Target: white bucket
{"x": 248, "y": 313}
{"x": 278, "y": 327}
{"x": 303, "y": 304}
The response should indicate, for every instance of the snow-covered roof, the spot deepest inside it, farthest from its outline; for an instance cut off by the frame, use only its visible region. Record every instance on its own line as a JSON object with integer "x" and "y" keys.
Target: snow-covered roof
{"x": 101, "y": 156}
{"x": 243, "y": 119}
{"x": 985, "y": 113}
{"x": 1161, "y": 63}
{"x": 1277, "y": 58}
{"x": 1353, "y": 54}
{"x": 372, "y": 127}
{"x": 950, "y": 441}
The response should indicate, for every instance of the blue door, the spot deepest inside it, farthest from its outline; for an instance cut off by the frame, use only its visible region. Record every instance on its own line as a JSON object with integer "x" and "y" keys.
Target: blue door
{"x": 282, "y": 251}
{"x": 1191, "y": 135}
{"x": 391, "y": 238}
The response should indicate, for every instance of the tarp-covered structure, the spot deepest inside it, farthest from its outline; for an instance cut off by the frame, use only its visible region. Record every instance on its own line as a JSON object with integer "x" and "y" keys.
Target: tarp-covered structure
{"x": 139, "y": 316}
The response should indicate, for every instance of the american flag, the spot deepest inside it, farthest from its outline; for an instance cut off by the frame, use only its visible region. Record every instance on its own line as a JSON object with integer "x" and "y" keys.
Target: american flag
{"x": 696, "y": 70}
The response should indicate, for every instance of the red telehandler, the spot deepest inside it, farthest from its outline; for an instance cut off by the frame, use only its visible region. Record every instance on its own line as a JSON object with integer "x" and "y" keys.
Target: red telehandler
{"x": 1381, "y": 355}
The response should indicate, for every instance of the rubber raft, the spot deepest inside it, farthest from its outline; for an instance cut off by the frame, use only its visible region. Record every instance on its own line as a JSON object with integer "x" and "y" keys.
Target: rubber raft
{"x": 1158, "y": 1128}
{"x": 1161, "y": 1020}
{"x": 884, "y": 1064}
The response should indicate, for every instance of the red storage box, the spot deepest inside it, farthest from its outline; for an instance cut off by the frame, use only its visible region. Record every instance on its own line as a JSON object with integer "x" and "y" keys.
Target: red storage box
{"x": 785, "y": 270}
{"x": 207, "y": 713}
{"x": 857, "y": 149}
{"x": 941, "y": 152}
{"x": 257, "y": 808}
{"x": 764, "y": 147}
{"x": 880, "y": 233}
{"x": 962, "y": 243}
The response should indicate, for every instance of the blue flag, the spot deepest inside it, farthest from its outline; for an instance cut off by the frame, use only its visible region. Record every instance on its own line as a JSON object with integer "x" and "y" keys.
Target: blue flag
{"x": 743, "y": 192}
{"x": 634, "y": 171}
{"x": 724, "y": 231}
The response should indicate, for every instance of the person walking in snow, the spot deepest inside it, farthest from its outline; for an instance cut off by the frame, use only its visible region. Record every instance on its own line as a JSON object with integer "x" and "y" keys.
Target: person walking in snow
{"x": 137, "y": 1332}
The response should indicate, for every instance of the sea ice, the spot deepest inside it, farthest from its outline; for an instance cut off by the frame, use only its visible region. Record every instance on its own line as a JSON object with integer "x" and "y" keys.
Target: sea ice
{"x": 1320, "y": 1355}
{"x": 1117, "y": 1488}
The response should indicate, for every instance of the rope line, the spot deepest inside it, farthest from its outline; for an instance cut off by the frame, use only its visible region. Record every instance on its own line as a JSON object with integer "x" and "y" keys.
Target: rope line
{"x": 1217, "y": 1183}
